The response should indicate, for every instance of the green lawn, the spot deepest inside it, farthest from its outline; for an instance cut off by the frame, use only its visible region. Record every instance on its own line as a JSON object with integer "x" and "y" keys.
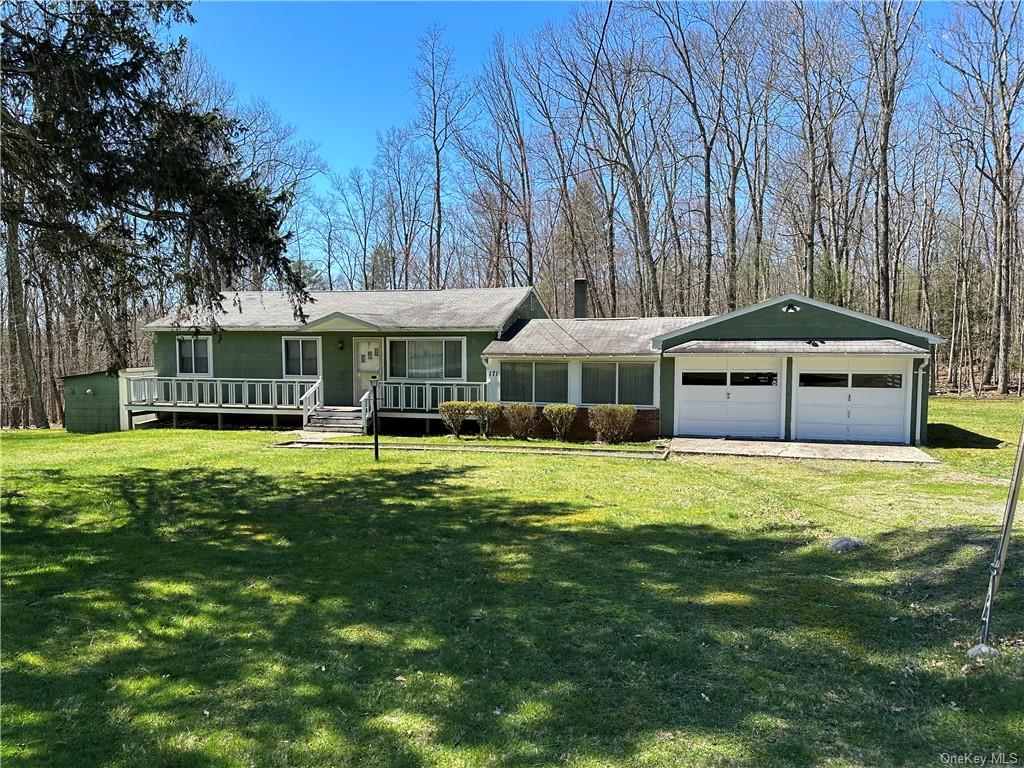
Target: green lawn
{"x": 196, "y": 598}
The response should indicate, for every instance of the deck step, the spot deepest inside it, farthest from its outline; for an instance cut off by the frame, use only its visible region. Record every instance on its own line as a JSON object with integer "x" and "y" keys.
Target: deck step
{"x": 339, "y": 420}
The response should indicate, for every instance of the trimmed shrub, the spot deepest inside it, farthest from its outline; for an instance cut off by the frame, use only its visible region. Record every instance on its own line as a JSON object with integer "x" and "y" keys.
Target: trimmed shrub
{"x": 453, "y": 414}
{"x": 612, "y": 423}
{"x": 486, "y": 414}
{"x": 521, "y": 418}
{"x": 560, "y": 416}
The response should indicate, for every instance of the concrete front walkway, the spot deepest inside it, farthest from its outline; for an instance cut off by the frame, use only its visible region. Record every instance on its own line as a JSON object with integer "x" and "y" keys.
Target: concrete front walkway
{"x": 792, "y": 450}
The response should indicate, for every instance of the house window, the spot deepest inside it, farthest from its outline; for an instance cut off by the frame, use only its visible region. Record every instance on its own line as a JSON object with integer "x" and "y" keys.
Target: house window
{"x": 636, "y": 383}
{"x": 193, "y": 355}
{"x": 426, "y": 359}
{"x": 301, "y": 357}
{"x": 535, "y": 382}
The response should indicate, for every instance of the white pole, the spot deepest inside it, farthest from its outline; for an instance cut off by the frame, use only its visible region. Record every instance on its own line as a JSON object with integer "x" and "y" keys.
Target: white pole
{"x": 983, "y": 649}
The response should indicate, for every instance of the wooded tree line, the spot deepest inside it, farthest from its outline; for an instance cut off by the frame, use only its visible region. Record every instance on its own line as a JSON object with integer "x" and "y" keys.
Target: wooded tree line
{"x": 685, "y": 158}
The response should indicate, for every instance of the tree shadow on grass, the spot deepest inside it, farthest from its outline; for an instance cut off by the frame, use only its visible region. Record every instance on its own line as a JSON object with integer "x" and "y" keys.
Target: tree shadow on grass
{"x": 407, "y": 616}
{"x": 952, "y": 436}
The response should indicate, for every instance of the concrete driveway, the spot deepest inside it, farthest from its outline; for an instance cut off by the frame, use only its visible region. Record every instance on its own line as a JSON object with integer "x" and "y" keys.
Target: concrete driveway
{"x": 907, "y": 454}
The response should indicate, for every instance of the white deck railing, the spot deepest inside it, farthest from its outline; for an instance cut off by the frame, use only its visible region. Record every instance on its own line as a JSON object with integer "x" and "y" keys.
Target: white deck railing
{"x": 310, "y": 400}
{"x": 425, "y": 395}
{"x": 419, "y": 396}
{"x": 176, "y": 391}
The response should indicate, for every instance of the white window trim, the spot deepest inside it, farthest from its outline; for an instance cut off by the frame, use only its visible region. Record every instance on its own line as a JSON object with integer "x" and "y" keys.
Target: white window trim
{"x": 387, "y": 358}
{"x": 533, "y": 381}
{"x": 617, "y": 363}
{"x": 319, "y": 357}
{"x": 209, "y": 356}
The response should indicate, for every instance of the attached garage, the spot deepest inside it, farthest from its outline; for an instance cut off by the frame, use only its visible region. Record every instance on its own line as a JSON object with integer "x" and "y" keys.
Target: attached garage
{"x": 790, "y": 368}
{"x": 794, "y": 368}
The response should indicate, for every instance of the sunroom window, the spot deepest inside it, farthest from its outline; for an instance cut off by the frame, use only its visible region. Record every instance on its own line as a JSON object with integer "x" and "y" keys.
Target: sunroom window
{"x": 636, "y": 383}
{"x": 193, "y": 355}
{"x": 623, "y": 383}
{"x": 598, "y": 383}
{"x": 534, "y": 382}
{"x": 426, "y": 359}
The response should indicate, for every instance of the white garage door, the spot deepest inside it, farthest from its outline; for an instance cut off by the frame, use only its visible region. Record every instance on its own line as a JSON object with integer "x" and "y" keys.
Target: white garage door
{"x": 724, "y": 396}
{"x": 858, "y": 399}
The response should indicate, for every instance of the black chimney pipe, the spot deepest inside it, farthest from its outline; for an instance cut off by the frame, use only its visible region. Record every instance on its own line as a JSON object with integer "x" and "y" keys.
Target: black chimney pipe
{"x": 579, "y": 308}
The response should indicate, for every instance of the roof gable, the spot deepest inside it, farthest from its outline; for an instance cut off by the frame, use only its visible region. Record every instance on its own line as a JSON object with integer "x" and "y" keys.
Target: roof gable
{"x": 338, "y": 321}
{"x": 808, "y": 319}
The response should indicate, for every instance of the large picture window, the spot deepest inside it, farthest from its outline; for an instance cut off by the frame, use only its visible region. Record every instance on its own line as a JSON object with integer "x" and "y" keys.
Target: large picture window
{"x": 301, "y": 357}
{"x": 193, "y": 353}
{"x": 623, "y": 383}
{"x": 528, "y": 382}
{"x": 426, "y": 359}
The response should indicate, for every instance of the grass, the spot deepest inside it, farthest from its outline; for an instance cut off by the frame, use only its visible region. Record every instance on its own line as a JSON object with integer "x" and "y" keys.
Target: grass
{"x": 498, "y": 442}
{"x": 186, "y": 598}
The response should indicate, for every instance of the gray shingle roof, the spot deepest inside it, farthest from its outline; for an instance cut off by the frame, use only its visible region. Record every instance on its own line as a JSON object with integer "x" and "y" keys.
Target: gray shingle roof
{"x": 768, "y": 347}
{"x": 452, "y": 308}
{"x": 596, "y": 336}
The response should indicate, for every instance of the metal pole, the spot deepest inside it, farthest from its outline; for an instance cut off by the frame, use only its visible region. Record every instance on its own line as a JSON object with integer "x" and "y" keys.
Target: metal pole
{"x": 983, "y": 649}
{"x": 376, "y": 421}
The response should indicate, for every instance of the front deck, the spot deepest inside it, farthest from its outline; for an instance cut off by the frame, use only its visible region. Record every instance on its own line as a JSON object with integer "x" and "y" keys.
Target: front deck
{"x": 293, "y": 397}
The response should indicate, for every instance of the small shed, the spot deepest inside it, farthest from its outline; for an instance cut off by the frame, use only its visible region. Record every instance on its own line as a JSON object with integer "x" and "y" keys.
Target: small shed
{"x": 92, "y": 402}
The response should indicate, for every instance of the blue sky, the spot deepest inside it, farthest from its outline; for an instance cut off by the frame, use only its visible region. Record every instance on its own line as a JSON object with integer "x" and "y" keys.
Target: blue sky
{"x": 341, "y": 72}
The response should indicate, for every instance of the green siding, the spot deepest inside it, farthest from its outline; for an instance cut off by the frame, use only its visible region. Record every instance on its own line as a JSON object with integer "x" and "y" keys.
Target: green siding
{"x": 810, "y": 322}
{"x": 531, "y": 309}
{"x": 257, "y": 355}
{"x": 668, "y": 396}
{"x": 97, "y": 410}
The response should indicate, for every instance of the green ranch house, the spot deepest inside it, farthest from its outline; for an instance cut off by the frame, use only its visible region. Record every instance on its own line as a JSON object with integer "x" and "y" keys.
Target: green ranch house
{"x": 790, "y": 368}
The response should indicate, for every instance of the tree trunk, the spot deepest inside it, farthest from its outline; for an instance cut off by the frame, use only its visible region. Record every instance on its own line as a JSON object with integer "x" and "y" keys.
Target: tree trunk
{"x": 19, "y": 311}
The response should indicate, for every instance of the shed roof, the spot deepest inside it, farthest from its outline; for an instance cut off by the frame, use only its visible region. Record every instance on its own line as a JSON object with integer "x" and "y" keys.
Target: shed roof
{"x": 450, "y": 308}
{"x": 97, "y": 372}
{"x": 587, "y": 337}
{"x": 783, "y": 347}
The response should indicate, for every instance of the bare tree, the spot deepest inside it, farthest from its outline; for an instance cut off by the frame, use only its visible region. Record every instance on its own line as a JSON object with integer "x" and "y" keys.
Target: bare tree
{"x": 442, "y": 103}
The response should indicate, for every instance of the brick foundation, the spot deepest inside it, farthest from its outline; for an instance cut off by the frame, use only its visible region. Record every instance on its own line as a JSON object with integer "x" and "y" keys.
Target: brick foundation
{"x": 645, "y": 426}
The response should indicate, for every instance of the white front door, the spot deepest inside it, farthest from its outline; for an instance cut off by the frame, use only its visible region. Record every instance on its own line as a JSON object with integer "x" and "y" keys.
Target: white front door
{"x": 728, "y": 396}
{"x": 369, "y": 361}
{"x": 852, "y": 399}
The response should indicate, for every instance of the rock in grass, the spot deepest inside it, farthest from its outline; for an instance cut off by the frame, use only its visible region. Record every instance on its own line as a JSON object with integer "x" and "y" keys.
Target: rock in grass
{"x": 844, "y": 544}
{"x": 982, "y": 651}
